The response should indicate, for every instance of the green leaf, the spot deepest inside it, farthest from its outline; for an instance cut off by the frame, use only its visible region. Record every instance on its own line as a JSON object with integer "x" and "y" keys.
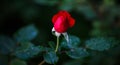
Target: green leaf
{"x": 99, "y": 43}
{"x": 18, "y": 62}
{"x": 26, "y": 33}
{"x": 27, "y": 50}
{"x": 51, "y": 57}
{"x": 74, "y": 41}
{"x": 77, "y": 53}
{"x": 7, "y": 45}
{"x": 96, "y": 58}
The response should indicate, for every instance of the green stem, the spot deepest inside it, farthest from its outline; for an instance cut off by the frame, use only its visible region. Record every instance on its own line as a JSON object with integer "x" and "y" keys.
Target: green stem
{"x": 56, "y": 49}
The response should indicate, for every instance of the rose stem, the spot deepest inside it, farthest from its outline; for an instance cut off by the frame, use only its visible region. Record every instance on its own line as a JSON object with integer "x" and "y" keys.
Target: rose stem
{"x": 56, "y": 49}
{"x": 57, "y": 44}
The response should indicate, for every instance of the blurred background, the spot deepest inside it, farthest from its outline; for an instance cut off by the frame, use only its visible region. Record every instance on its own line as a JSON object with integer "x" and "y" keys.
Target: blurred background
{"x": 94, "y": 18}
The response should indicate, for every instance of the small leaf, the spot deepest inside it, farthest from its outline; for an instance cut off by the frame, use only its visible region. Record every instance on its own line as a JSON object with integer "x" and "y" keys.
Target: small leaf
{"x": 51, "y": 57}
{"x": 18, "y": 62}
{"x": 99, "y": 44}
{"x": 26, "y": 33}
{"x": 73, "y": 42}
{"x": 7, "y": 45}
{"x": 27, "y": 51}
{"x": 77, "y": 53}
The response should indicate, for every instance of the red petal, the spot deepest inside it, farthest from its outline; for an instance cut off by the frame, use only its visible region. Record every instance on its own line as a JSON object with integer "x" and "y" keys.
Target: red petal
{"x": 60, "y": 13}
{"x": 71, "y": 22}
{"x": 55, "y": 18}
{"x": 61, "y": 25}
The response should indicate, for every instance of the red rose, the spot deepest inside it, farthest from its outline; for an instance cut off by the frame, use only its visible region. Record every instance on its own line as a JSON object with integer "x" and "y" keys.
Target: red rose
{"x": 62, "y": 21}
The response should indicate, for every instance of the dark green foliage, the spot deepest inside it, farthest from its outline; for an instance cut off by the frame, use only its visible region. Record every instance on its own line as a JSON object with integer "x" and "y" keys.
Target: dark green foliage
{"x": 26, "y": 33}
{"x": 75, "y": 62}
{"x": 74, "y": 41}
{"x": 67, "y": 5}
{"x": 17, "y": 62}
{"x": 51, "y": 44}
{"x": 46, "y": 2}
{"x": 7, "y": 44}
{"x": 99, "y": 43}
{"x": 87, "y": 11}
{"x": 3, "y": 60}
{"x": 77, "y": 53}
{"x": 27, "y": 50}
{"x": 51, "y": 57}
